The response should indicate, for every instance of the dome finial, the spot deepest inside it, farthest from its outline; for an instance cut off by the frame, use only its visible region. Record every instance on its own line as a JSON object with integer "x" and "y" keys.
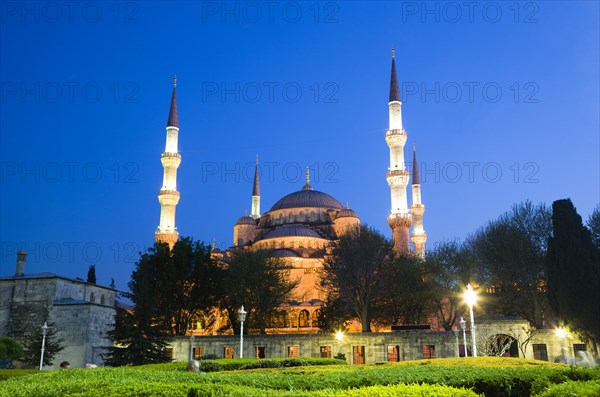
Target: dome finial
{"x": 174, "y": 80}
{"x": 347, "y": 205}
{"x": 307, "y": 185}
{"x": 246, "y": 212}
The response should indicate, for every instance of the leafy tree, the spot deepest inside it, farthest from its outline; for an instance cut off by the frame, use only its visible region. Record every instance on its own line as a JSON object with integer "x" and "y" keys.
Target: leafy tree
{"x": 450, "y": 268}
{"x": 510, "y": 255}
{"x": 137, "y": 341}
{"x": 138, "y": 336}
{"x": 358, "y": 271}
{"x": 332, "y": 315}
{"x": 91, "y": 275}
{"x": 32, "y": 345}
{"x": 258, "y": 281}
{"x": 10, "y": 350}
{"x": 574, "y": 271}
{"x": 593, "y": 224}
{"x": 189, "y": 285}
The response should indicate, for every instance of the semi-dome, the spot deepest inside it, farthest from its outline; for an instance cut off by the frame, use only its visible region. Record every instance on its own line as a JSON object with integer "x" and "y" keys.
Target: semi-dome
{"x": 246, "y": 220}
{"x": 346, "y": 213}
{"x": 307, "y": 198}
{"x": 291, "y": 231}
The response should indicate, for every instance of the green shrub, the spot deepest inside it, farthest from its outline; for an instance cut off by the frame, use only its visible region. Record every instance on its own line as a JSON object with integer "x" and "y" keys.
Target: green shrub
{"x": 11, "y": 373}
{"x": 590, "y": 388}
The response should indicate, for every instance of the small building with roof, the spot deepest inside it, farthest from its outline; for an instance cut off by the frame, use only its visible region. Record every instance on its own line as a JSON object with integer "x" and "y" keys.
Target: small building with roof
{"x": 81, "y": 312}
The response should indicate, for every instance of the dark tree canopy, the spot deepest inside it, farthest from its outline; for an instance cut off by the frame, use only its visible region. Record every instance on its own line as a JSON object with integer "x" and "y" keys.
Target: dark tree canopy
{"x": 258, "y": 281}
{"x": 574, "y": 271}
{"x": 358, "y": 273}
{"x": 593, "y": 224}
{"x": 91, "y": 275}
{"x": 450, "y": 267}
{"x": 32, "y": 345}
{"x": 510, "y": 256}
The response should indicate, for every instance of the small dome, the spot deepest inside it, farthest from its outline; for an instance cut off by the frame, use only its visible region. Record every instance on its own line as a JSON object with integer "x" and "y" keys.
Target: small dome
{"x": 292, "y": 231}
{"x": 307, "y": 198}
{"x": 246, "y": 220}
{"x": 346, "y": 213}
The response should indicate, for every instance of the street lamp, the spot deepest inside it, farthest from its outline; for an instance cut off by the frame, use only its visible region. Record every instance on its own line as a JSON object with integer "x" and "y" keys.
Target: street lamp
{"x": 471, "y": 299}
{"x": 339, "y": 336}
{"x": 456, "y": 337}
{"x": 242, "y": 317}
{"x": 562, "y": 333}
{"x": 463, "y": 323}
{"x": 44, "y": 333}
{"x": 192, "y": 347}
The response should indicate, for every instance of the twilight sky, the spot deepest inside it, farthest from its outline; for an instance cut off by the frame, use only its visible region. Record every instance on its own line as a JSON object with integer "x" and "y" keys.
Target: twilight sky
{"x": 501, "y": 99}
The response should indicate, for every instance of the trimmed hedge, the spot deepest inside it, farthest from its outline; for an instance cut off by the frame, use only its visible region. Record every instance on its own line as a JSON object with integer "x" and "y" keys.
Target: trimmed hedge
{"x": 573, "y": 389}
{"x": 426, "y": 377}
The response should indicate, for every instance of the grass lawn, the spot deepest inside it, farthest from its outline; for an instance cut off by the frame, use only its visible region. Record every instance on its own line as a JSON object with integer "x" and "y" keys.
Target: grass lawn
{"x": 469, "y": 377}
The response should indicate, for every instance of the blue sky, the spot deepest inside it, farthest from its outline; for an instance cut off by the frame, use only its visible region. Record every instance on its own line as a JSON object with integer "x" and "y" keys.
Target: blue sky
{"x": 501, "y": 99}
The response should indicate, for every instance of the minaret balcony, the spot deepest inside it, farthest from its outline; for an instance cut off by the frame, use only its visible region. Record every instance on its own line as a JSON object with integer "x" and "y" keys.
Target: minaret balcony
{"x": 395, "y": 138}
{"x": 402, "y": 219}
{"x": 168, "y": 197}
{"x": 397, "y": 178}
{"x": 170, "y": 160}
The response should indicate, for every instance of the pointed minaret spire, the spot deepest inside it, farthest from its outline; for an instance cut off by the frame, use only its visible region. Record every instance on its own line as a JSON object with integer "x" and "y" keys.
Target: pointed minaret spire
{"x": 394, "y": 90}
{"x": 400, "y": 218}
{"x": 173, "y": 115}
{"x": 307, "y": 186}
{"x": 419, "y": 237}
{"x": 256, "y": 193}
{"x": 415, "y": 174}
{"x": 168, "y": 196}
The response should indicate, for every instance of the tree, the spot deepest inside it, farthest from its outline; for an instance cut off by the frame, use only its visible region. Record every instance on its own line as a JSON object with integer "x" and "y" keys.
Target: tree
{"x": 32, "y": 345}
{"x": 593, "y": 224}
{"x": 10, "y": 350}
{"x": 138, "y": 336}
{"x": 332, "y": 317}
{"x": 450, "y": 268}
{"x": 574, "y": 271}
{"x": 258, "y": 281}
{"x": 136, "y": 340}
{"x": 510, "y": 255}
{"x": 408, "y": 294}
{"x": 91, "y": 275}
{"x": 358, "y": 273}
{"x": 190, "y": 285}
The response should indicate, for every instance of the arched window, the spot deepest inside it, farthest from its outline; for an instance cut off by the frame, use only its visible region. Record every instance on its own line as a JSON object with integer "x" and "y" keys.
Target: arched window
{"x": 303, "y": 318}
{"x": 301, "y": 217}
{"x": 315, "y": 318}
{"x": 313, "y": 216}
{"x": 93, "y": 297}
{"x": 102, "y": 300}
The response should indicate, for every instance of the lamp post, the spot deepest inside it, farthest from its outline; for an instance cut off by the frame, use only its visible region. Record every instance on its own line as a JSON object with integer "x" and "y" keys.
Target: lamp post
{"x": 471, "y": 299}
{"x": 456, "y": 336}
{"x": 562, "y": 333}
{"x": 44, "y": 333}
{"x": 242, "y": 317}
{"x": 463, "y": 323}
{"x": 191, "y": 347}
{"x": 339, "y": 336}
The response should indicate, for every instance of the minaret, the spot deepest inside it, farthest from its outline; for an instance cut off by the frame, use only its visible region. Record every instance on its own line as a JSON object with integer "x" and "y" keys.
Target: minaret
{"x": 168, "y": 196}
{"x": 400, "y": 218}
{"x": 256, "y": 194}
{"x": 418, "y": 209}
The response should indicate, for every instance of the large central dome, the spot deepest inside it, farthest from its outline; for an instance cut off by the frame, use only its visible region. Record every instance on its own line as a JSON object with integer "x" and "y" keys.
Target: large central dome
{"x": 307, "y": 198}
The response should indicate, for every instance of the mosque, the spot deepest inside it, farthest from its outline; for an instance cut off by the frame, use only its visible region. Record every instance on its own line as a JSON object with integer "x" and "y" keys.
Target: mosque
{"x": 300, "y": 226}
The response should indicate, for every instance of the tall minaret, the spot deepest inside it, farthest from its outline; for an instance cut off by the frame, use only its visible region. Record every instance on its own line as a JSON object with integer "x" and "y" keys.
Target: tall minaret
{"x": 400, "y": 218}
{"x": 418, "y": 209}
{"x": 168, "y": 196}
{"x": 256, "y": 194}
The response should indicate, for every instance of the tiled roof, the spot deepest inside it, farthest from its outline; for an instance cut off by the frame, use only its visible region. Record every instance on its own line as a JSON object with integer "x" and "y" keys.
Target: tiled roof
{"x": 307, "y": 198}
